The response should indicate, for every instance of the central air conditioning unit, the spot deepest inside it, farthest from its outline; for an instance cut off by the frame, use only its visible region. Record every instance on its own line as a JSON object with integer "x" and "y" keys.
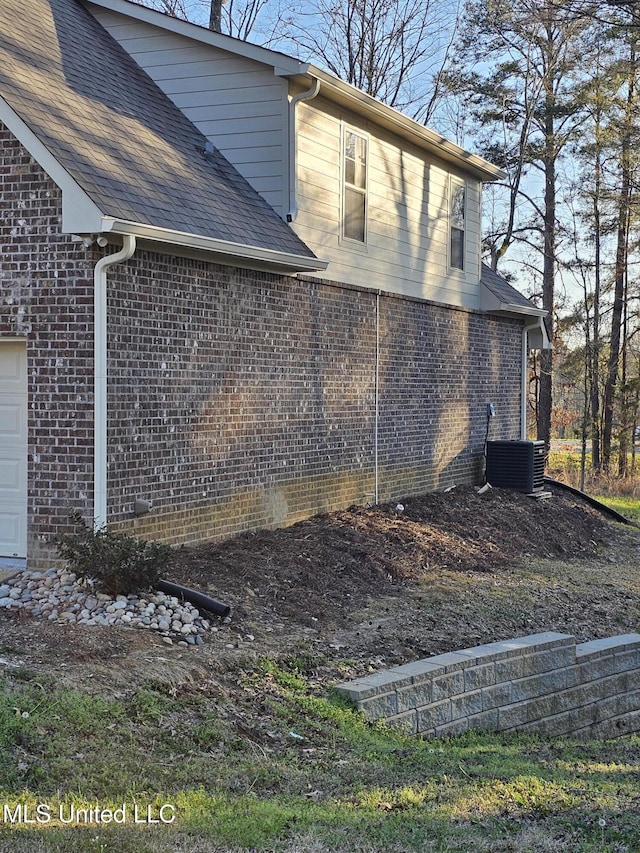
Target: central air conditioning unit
{"x": 516, "y": 465}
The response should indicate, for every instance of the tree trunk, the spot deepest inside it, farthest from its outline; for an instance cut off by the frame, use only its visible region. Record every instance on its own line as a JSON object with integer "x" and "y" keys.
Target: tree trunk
{"x": 620, "y": 269}
{"x": 215, "y": 17}
{"x": 545, "y": 403}
{"x": 595, "y": 340}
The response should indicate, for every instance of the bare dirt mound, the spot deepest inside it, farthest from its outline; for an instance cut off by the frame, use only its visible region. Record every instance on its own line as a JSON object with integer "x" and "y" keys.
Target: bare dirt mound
{"x": 314, "y": 568}
{"x": 370, "y": 587}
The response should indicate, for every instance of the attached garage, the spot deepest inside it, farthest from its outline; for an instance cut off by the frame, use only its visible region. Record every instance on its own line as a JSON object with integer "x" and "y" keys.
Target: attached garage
{"x": 13, "y": 449}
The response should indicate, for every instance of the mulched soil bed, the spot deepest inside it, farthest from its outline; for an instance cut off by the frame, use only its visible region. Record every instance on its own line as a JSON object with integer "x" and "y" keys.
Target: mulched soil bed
{"x": 316, "y": 566}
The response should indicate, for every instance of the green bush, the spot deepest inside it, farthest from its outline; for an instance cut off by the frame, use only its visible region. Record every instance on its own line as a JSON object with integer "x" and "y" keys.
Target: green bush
{"x": 120, "y": 564}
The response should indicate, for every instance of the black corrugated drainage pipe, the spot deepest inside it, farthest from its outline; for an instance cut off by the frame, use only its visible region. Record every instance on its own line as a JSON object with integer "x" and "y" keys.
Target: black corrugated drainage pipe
{"x": 201, "y": 601}
{"x": 603, "y": 508}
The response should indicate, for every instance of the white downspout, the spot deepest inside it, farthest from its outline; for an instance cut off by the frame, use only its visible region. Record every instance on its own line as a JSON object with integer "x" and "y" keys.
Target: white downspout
{"x": 293, "y": 148}
{"x": 100, "y": 377}
{"x": 524, "y": 396}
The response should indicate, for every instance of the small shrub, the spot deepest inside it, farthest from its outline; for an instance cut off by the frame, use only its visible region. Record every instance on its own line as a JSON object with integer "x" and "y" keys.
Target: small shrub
{"x": 120, "y": 564}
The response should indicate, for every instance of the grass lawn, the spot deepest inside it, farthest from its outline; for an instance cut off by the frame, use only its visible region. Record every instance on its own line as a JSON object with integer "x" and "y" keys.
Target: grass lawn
{"x": 176, "y": 776}
{"x": 108, "y": 743}
{"x": 621, "y": 495}
{"x": 627, "y": 505}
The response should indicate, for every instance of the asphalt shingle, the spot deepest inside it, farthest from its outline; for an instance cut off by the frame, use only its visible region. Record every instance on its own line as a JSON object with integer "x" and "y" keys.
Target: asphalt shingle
{"x": 500, "y": 287}
{"x": 121, "y": 139}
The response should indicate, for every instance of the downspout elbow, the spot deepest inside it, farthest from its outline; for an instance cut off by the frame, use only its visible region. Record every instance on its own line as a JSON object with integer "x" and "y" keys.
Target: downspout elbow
{"x": 293, "y": 147}
{"x": 100, "y": 376}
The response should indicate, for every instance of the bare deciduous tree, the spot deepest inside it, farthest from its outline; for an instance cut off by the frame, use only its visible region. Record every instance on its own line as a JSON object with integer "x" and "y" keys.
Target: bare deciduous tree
{"x": 391, "y": 49}
{"x": 236, "y": 18}
{"x": 177, "y": 8}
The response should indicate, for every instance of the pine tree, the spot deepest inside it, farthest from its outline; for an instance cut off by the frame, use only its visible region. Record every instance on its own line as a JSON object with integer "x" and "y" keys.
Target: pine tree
{"x": 519, "y": 64}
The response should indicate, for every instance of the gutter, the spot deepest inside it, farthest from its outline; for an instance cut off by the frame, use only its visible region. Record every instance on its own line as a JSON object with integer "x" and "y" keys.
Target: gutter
{"x": 517, "y": 310}
{"x": 100, "y": 377}
{"x": 235, "y": 254}
{"x": 293, "y": 147}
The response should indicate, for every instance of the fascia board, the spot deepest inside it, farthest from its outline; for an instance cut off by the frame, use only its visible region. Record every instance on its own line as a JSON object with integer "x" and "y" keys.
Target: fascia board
{"x": 514, "y": 310}
{"x": 79, "y": 213}
{"x": 223, "y": 251}
{"x": 282, "y": 64}
{"x": 338, "y": 91}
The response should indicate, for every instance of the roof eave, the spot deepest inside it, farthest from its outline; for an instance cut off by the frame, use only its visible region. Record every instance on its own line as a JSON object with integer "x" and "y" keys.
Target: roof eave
{"x": 492, "y": 303}
{"x": 514, "y": 310}
{"x": 222, "y": 251}
{"x": 349, "y": 96}
{"x": 80, "y": 215}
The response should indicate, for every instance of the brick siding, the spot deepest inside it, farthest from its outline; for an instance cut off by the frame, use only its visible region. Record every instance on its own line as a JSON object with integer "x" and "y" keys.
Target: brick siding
{"x": 237, "y": 399}
{"x": 439, "y": 369}
{"x": 46, "y": 298}
{"x": 242, "y": 400}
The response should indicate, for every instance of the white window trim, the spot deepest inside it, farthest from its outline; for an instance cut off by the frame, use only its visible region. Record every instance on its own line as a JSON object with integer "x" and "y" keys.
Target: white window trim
{"x": 455, "y": 181}
{"x": 349, "y": 241}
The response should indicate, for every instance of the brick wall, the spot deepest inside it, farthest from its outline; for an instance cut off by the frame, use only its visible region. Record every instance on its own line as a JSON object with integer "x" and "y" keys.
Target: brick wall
{"x": 543, "y": 683}
{"x": 242, "y": 400}
{"x": 232, "y": 404}
{"x": 237, "y": 399}
{"x": 46, "y": 299}
{"x": 439, "y": 369}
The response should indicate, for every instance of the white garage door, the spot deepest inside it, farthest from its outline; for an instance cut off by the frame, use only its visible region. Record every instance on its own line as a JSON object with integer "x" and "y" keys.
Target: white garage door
{"x": 13, "y": 449}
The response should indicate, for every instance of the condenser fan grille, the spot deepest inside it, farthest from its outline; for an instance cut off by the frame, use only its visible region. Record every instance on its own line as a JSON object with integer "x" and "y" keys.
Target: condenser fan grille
{"x": 516, "y": 465}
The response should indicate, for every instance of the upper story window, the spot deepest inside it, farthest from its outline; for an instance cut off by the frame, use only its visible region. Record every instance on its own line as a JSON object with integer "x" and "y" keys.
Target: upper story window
{"x": 457, "y": 197}
{"x": 354, "y": 187}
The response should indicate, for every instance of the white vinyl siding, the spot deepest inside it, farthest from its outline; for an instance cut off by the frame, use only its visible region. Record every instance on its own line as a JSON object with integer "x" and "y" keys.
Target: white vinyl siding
{"x": 407, "y": 249}
{"x": 242, "y": 106}
{"x": 236, "y": 102}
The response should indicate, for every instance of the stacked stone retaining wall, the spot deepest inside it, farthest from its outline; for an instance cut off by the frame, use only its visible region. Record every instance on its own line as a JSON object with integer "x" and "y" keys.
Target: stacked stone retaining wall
{"x": 543, "y": 683}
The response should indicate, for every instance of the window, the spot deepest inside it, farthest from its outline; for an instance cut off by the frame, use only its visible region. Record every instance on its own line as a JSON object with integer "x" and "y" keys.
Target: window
{"x": 354, "y": 190}
{"x": 456, "y": 223}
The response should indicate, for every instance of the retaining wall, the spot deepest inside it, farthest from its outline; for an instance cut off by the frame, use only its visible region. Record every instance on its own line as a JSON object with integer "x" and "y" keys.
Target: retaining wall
{"x": 543, "y": 683}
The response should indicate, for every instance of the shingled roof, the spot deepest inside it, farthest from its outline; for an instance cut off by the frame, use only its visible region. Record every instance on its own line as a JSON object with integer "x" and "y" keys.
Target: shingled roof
{"x": 124, "y": 143}
{"x": 502, "y": 297}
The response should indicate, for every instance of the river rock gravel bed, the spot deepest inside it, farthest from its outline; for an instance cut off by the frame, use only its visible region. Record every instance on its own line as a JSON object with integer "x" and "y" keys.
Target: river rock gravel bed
{"x": 59, "y": 596}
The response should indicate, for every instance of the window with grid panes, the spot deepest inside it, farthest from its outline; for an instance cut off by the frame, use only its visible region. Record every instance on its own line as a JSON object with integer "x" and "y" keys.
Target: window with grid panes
{"x": 456, "y": 224}
{"x": 354, "y": 196}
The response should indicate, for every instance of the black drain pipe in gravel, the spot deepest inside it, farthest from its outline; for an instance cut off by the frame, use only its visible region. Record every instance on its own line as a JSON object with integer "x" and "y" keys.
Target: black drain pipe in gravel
{"x": 603, "y": 508}
{"x": 201, "y": 601}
